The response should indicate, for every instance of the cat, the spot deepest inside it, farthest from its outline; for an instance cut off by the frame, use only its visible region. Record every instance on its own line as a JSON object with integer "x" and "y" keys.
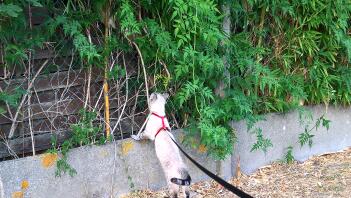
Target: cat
{"x": 157, "y": 129}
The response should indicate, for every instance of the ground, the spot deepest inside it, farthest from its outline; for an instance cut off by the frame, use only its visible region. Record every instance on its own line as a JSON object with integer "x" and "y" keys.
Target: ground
{"x": 327, "y": 175}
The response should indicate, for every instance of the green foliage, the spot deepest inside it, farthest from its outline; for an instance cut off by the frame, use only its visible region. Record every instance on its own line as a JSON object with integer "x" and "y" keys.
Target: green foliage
{"x": 306, "y": 137}
{"x": 325, "y": 123}
{"x": 131, "y": 183}
{"x": 2, "y": 111}
{"x": 279, "y": 54}
{"x": 129, "y": 25}
{"x": 13, "y": 98}
{"x": 262, "y": 143}
{"x": 305, "y": 119}
{"x": 87, "y": 51}
{"x": 83, "y": 133}
{"x": 117, "y": 72}
{"x": 289, "y": 158}
{"x": 62, "y": 165}
{"x": 35, "y": 3}
{"x": 10, "y": 10}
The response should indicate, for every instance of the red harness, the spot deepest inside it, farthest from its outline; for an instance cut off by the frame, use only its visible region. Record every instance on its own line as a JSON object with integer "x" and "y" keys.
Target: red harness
{"x": 163, "y": 124}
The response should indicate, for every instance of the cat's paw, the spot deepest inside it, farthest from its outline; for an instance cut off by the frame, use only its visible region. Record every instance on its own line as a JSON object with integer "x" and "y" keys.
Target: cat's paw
{"x": 135, "y": 137}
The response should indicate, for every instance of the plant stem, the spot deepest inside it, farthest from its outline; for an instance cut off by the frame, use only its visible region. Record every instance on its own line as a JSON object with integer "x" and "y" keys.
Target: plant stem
{"x": 87, "y": 98}
{"x": 259, "y": 43}
{"x": 29, "y": 76}
{"x": 105, "y": 86}
{"x": 14, "y": 121}
{"x": 144, "y": 70}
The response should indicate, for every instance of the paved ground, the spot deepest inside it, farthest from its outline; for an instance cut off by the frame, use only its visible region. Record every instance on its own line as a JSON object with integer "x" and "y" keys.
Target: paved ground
{"x": 328, "y": 175}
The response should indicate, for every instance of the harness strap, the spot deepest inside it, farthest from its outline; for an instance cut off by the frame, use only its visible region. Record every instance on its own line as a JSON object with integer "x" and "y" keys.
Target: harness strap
{"x": 221, "y": 181}
{"x": 225, "y": 184}
{"x": 163, "y": 124}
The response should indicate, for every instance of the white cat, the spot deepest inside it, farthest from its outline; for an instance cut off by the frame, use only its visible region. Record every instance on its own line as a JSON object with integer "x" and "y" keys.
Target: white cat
{"x": 157, "y": 129}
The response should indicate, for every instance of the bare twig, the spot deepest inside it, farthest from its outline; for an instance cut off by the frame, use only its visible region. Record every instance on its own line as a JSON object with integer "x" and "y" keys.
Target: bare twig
{"x": 175, "y": 121}
{"x": 134, "y": 107}
{"x": 87, "y": 97}
{"x": 14, "y": 123}
{"x": 165, "y": 66}
{"x": 144, "y": 70}
{"x": 30, "y": 123}
{"x": 28, "y": 90}
{"x": 126, "y": 99}
{"x": 7, "y": 144}
{"x": 68, "y": 78}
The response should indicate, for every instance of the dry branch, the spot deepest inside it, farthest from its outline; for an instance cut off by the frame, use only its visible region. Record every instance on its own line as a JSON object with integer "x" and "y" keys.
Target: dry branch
{"x": 144, "y": 70}
{"x": 126, "y": 99}
{"x": 14, "y": 121}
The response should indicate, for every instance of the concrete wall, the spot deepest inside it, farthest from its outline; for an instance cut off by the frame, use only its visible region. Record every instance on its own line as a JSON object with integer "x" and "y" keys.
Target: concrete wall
{"x": 117, "y": 168}
{"x": 284, "y": 129}
{"x": 112, "y": 169}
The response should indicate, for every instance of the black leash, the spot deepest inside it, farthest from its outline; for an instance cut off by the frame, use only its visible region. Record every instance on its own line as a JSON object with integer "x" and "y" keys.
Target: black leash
{"x": 225, "y": 184}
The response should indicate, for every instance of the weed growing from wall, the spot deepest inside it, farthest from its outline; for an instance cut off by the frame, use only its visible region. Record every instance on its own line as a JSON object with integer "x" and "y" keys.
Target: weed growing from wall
{"x": 83, "y": 133}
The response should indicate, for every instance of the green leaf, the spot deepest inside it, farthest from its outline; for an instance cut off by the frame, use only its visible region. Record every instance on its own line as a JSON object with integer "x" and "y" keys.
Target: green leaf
{"x": 261, "y": 143}
{"x": 35, "y": 3}
{"x": 10, "y": 10}
{"x": 2, "y": 111}
{"x": 289, "y": 158}
{"x": 325, "y": 123}
{"x": 306, "y": 137}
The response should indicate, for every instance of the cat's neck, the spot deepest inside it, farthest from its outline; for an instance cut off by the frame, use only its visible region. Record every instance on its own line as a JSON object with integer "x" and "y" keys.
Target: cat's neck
{"x": 158, "y": 110}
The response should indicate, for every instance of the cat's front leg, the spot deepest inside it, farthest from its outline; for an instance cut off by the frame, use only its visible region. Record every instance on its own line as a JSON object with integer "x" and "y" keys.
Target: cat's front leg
{"x": 140, "y": 136}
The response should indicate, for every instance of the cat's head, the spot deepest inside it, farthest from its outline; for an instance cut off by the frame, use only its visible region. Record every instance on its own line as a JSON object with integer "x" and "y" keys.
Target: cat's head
{"x": 158, "y": 101}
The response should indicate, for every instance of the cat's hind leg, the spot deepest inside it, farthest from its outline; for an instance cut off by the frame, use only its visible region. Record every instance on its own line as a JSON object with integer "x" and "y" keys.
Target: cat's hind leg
{"x": 173, "y": 190}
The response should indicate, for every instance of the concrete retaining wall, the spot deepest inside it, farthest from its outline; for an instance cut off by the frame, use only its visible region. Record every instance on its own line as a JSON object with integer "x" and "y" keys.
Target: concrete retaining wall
{"x": 112, "y": 169}
{"x": 118, "y": 168}
{"x": 284, "y": 129}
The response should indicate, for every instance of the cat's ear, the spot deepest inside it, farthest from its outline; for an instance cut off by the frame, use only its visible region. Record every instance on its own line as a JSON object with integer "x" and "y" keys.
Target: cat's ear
{"x": 165, "y": 96}
{"x": 153, "y": 97}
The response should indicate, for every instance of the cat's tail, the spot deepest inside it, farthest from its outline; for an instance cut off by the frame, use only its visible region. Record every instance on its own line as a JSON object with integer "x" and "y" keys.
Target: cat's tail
{"x": 183, "y": 182}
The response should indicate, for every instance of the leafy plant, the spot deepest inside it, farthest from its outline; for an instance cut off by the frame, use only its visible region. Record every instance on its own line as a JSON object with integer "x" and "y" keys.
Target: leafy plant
{"x": 83, "y": 133}
{"x": 289, "y": 158}
{"x": 275, "y": 57}
{"x": 306, "y": 136}
{"x": 262, "y": 143}
{"x": 12, "y": 98}
{"x": 10, "y": 10}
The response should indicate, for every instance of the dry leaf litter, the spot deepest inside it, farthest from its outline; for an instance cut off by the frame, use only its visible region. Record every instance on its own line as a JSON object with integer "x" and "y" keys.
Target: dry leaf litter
{"x": 328, "y": 175}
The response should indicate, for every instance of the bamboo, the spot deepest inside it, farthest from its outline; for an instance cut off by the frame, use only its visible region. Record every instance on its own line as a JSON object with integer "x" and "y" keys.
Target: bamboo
{"x": 262, "y": 18}
{"x": 106, "y": 97}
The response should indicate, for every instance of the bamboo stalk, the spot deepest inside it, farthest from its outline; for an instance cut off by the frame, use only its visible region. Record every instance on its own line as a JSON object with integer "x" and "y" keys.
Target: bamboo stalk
{"x": 105, "y": 86}
{"x": 262, "y": 18}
